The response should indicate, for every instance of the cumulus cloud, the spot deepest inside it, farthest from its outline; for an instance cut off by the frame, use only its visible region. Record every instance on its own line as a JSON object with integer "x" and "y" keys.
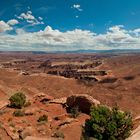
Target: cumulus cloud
{"x": 27, "y": 16}
{"x": 12, "y": 22}
{"x": 77, "y": 7}
{"x": 50, "y": 39}
{"x": 30, "y": 18}
{"x": 4, "y": 27}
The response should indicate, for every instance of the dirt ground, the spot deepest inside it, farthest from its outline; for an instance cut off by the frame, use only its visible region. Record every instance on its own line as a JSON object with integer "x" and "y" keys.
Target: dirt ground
{"x": 124, "y": 91}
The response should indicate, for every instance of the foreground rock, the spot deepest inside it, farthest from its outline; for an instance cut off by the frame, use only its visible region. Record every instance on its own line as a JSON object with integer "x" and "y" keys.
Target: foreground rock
{"x": 82, "y": 101}
{"x": 28, "y": 131}
{"x": 135, "y": 134}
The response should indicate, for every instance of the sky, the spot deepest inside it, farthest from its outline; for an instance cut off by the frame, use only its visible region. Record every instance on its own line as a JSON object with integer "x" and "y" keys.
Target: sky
{"x": 68, "y": 25}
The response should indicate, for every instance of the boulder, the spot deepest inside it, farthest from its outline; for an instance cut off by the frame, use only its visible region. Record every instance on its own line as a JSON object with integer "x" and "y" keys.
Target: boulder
{"x": 24, "y": 73}
{"x": 136, "y": 122}
{"x": 82, "y": 101}
{"x": 28, "y": 131}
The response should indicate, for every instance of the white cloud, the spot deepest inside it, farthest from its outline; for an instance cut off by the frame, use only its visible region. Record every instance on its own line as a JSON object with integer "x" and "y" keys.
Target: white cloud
{"x": 77, "y": 6}
{"x": 51, "y": 40}
{"x": 4, "y": 27}
{"x": 12, "y": 22}
{"x": 40, "y": 18}
{"x": 27, "y": 16}
{"x": 20, "y": 31}
{"x": 30, "y": 18}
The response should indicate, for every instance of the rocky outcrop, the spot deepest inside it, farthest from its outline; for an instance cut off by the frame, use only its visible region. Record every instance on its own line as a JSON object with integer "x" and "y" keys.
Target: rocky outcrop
{"x": 59, "y": 101}
{"x": 28, "y": 131}
{"x": 10, "y": 132}
{"x": 41, "y": 97}
{"x": 82, "y": 101}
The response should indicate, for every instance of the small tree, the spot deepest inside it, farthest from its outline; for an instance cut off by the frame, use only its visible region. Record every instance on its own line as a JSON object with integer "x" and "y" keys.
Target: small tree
{"x": 107, "y": 124}
{"x": 17, "y": 100}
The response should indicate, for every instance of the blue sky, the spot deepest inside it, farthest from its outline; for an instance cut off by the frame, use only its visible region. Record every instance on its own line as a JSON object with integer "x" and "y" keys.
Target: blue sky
{"x": 50, "y": 25}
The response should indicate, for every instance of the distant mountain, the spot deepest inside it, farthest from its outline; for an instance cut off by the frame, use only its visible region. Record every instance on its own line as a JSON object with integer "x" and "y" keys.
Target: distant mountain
{"x": 92, "y": 51}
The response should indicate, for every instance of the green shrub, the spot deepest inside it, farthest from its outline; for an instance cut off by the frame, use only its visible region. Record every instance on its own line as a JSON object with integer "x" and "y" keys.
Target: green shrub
{"x": 107, "y": 124}
{"x": 74, "y": 112}
{"x": 43, "y": 118}
{"x": 17, "y": 100}
{"x": 18, "y": 113}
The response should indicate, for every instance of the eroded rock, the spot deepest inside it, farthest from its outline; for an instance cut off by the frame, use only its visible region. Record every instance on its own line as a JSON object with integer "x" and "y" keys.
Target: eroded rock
{"x": 41, "y": 97}
{"x": 59, "y": 101}
{"x": 82, "y": 101}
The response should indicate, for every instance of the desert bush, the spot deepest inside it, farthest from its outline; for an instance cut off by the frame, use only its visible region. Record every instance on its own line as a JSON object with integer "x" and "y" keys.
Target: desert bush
{"x": 18, "y": 113}
{"x": 74, "y": 112}
{"x": 17, "y": 100}
{"x": 14, "y": 130}
{"x": 58, "y": 135}
{"x": 11, "y": 124}
{"x": 43, "y": 118}
{"x": 107, "y": 124}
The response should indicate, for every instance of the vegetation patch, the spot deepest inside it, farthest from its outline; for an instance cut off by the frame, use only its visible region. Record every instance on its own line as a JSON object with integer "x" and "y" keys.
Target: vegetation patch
{"x": 17, "y": 100}
{"x": 107, "y": 124}
{"x": 18, "y": 113}
{"x": 74, "y": 112}
{"x": 58, "y": 134}
{"x": 43, "y": 118}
